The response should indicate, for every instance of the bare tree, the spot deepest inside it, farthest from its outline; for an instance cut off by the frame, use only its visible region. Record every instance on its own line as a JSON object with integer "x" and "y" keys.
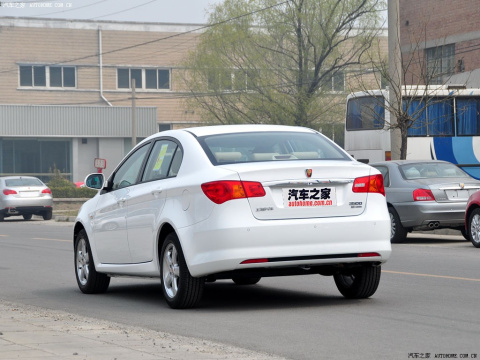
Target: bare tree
{"x": 267, "y": 61}
{"x": 428, "y": 78}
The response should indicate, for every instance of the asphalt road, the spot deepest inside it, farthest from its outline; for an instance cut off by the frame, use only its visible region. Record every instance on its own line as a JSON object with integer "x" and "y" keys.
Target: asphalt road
{"x": 427, "y": 303}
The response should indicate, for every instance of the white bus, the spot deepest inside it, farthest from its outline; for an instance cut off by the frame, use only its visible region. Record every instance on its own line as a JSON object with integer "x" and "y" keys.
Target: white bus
{"x": 447, "y": 128}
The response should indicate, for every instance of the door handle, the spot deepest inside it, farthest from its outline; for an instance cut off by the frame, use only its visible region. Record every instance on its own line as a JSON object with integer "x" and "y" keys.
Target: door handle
{"x": 157, "y": 192}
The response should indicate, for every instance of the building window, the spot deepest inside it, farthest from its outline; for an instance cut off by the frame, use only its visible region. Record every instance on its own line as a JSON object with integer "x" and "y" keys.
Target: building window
{"x": 55, "y": 76}
{"x": 440, "y": 63}
{"x": 334, "y": 83}
{"x": 151, "y": 79}
{"x": 62, "y": 76}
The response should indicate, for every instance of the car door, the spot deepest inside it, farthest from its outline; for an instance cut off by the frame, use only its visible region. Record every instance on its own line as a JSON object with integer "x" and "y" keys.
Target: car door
{"x": 110, "y": 218}
{"x": 147, "y": 199}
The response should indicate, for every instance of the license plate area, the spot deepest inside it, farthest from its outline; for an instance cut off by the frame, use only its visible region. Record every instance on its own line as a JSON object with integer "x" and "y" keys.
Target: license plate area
{"x": 309, "y": 197}
{"x": 457, "y": 194}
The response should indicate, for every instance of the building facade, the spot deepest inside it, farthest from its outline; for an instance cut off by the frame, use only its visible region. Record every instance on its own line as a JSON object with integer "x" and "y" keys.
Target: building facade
{"x": 440, "y": 41}
{"x": 78, "y": 76}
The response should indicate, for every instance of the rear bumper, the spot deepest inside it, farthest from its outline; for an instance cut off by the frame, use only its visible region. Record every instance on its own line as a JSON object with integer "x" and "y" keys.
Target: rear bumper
{"x": 421, "y": 214}
{"x": 211, "y": 249}
{"x": 20, "y": 210}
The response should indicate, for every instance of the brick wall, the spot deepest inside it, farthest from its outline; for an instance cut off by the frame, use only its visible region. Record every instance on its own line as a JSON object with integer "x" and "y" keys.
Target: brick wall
{"x": 429, "y": 23}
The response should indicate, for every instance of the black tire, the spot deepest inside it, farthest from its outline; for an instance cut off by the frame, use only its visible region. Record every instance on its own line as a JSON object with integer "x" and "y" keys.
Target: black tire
{"x": 474, "y": 227}
{"x": 246, "y": 280}
{"x": 398, "y": 234}
{"x": 180, "y": 289}
{"x": 27, "y": 216}
{"x": 465, "y": 234}
{"x": 2, "y": 216}
{"x": 360, "y": 283}
{"x": 88, "y": 279}
{"x": 47, "y": 215}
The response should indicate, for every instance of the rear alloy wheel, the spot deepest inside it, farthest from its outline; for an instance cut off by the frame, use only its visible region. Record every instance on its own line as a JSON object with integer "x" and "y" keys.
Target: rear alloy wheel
{"x": 246, "y": 280}
{"x": 398, "y": 233}
{"x": 27, "y": 216}
{"x": 180, "y": 289}
{"x": 88, "y": 279}
{"x": 360, "y": 283}
{"x": 474, "y": 227}
{"x": 47, "y": 215}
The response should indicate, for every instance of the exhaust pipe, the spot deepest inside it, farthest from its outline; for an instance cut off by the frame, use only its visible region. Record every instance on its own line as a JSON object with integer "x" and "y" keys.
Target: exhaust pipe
{"x": 433, "y": 224}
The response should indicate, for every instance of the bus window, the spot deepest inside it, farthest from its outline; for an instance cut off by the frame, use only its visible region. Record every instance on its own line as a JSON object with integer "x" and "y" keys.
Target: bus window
{"x": 365, "y": 113}
{"x": 436, "y": 121}
{"x": 468, "y": 119}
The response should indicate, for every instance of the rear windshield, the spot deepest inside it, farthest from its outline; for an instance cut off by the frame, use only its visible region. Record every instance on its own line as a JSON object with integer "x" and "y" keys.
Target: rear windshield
{"x": 271, "y": 146}
{"x": 431, "y": 170}
{"x": 23, "y": 182}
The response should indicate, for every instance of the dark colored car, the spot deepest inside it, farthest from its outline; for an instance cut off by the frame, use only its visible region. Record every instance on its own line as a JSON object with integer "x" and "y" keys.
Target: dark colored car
{"x": 472, "y": 219}
{"x": 425, "y": 195}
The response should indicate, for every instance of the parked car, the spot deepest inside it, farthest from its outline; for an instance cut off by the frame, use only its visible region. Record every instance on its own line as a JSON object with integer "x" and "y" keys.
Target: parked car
{"x": 24, "y": 196}
{"x": 236, "y": 202}
{"x": 472, "y": 219}
{"x": 425, "y": 195}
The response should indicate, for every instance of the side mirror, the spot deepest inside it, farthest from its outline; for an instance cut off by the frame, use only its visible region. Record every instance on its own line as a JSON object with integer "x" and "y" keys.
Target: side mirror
{"x": 94, "y": 181}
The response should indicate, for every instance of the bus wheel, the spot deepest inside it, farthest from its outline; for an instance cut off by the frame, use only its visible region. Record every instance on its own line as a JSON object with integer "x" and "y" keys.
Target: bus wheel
{"x": 398, "y": 233}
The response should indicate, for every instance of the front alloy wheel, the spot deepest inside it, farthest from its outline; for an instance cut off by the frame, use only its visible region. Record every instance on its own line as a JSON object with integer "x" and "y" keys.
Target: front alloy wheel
{"x": 88, "y": 279}
{"x": 180, "y": 289}
{"x": 474, "y": 228}
{"x": 359, "y": 283}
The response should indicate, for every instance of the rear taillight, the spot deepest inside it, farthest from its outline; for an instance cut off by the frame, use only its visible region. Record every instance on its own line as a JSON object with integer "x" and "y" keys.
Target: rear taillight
{"x": 423, "y": 195}
{"x": 369, "y": 184}
{"x": 9, "y": 192}
{"x": 46, "y": 191}
{"x": 222, "y": 191}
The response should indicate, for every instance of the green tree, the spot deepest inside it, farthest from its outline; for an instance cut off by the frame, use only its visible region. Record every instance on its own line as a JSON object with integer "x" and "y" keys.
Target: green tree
{"x": 261, "y": 61}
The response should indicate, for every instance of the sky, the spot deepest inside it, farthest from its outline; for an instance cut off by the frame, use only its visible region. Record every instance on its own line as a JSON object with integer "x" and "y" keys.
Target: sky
{"x": 165, "y": 11}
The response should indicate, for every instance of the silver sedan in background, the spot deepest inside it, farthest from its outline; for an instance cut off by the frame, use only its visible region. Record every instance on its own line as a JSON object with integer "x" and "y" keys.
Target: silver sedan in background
{"x": 24, "y": 196}
{"x": 425, "y": 195}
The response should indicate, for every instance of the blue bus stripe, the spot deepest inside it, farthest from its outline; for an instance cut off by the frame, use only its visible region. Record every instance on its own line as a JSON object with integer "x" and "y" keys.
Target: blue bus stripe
{"x": 463, "y": 150}
{"x": 443, "y": 149}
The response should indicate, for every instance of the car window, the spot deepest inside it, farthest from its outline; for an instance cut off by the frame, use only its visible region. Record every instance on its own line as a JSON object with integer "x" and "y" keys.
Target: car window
{"x": 127, "y": 174}
{"x": 431, "y": 170}
{"x": 386, "y": 176}
{"x": 23, "y": 182}
{"x": 272, "y": 146}
{"x": 163, "y": 161}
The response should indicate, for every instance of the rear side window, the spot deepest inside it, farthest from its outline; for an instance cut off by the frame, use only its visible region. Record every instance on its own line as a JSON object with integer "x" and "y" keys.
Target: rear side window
{"x": 164, "y": 161}
{"x": 271, "y": 146}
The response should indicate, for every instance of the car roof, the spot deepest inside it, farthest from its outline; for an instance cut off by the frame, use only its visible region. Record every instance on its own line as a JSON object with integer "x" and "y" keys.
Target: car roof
{"x": 18, "y": 177}
{"x": 404, "y": 162}
{"x": 229, "y": 129}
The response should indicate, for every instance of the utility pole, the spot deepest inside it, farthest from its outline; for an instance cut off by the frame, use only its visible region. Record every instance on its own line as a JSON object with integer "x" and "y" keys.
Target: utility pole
{"x": 134, "y": 116}
{"x": 394, "y": 70}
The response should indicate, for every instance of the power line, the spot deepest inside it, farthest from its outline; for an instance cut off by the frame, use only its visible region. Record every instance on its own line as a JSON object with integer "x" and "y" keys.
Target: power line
{"x": 163, "y": 38}
{"x": 122, "y": 11}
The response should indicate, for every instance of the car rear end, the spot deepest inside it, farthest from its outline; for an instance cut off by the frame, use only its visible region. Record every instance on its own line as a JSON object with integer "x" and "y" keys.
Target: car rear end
{"x": 437, "y": 198}
{"x": 289, "y": 215}
{"x": 22, "y": 195}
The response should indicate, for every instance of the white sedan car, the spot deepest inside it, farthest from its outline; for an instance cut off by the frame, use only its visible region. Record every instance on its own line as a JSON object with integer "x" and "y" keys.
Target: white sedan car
{"x": 236, "y": 202}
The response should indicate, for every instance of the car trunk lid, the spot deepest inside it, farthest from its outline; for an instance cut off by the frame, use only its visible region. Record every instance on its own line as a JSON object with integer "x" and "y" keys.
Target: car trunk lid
{"x": 292, "y": 194}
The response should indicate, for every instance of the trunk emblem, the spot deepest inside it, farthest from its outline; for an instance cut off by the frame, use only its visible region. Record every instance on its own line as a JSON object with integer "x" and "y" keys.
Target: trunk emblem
{"x": 462, "y": 186}
{"x": 308, "y": 172}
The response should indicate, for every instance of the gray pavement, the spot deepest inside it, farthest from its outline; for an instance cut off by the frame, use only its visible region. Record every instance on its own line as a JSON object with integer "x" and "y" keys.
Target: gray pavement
{"x": 28, "y": 332}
